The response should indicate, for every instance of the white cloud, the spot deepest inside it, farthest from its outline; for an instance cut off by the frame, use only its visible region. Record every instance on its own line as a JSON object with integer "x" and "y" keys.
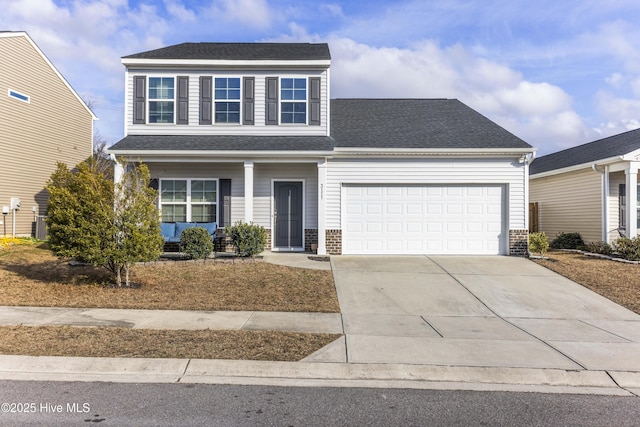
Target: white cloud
{"x": 177, "y": 10}
{"x": 538, "y": 112}
{"x": 250, "y": 13}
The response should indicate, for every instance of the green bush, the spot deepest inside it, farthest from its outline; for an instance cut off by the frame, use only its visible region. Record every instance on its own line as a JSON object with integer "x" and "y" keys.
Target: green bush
{"x": 568, "y": 241}
{"x": 249, "y": 239}
{"x": 628, "y": 248}
{"x": 538, "y": 243}
{"x": 599, "y": 247}
{"x": 196, "y": 242}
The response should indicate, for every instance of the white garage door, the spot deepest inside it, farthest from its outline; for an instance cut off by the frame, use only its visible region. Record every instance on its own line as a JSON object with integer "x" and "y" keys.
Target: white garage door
{"x": 422, "y": 219}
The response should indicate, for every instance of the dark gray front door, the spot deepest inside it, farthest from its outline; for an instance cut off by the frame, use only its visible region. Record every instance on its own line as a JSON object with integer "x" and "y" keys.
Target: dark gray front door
{"x": 288, "y": 214}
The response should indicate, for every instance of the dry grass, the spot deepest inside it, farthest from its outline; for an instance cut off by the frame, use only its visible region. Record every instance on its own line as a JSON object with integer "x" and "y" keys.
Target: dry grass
{"x": 617, "y": 281}
{"x": 121, "y": 342}
{"x": 31, "y": 276}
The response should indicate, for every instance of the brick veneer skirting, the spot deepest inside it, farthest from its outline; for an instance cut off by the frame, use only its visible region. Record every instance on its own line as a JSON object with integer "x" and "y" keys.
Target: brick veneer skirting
{"x": 519, "y": 243}
{"x": 334, "y": 242}
{"x": 310, "y": 237}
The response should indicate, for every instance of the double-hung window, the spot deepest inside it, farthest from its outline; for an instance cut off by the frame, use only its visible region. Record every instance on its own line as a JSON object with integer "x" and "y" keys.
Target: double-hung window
{"x": 161, "y": 99}
{"x": 227, "y": 100}
{"x": 188, "y": 200}
{"x": 293, "y": 100}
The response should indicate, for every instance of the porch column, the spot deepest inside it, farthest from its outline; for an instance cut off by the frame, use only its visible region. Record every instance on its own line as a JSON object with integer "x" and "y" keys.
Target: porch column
{"x": 248, "y": 192}
{"x": 632, "y": 199}
{"x": 322, "y": 189}
{"x": 118, "y": 170}
{"x": 606, "y": 226}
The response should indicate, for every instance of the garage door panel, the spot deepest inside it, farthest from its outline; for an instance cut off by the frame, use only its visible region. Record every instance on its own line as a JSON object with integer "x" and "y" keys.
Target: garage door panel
{"x": 417, "y": 219}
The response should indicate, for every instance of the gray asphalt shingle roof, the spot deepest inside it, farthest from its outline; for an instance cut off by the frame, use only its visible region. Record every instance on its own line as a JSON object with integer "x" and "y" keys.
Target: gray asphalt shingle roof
{"x": 601, "y": 149}
{"x": 415, "y": 123}
{"x": 361, "y": 123}
{"x": 239, "y": 51}
{"x": 224, "y": 143}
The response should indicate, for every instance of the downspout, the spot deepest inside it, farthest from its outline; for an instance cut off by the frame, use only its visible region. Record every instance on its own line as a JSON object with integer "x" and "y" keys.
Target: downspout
{"x": 605, "y": 199}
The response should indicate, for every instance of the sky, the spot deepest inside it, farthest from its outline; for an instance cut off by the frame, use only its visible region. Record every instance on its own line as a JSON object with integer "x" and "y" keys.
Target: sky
{"x": 556, "y": 73}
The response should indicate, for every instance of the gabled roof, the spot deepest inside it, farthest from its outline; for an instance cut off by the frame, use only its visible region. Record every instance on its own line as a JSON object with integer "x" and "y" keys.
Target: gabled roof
{"x": 416, "y": 123}
{"x": 239, "y": 51}
{"x": 437, "y": 124}
{"x": 592, "y": 152}
{"x": 8, "y": 34}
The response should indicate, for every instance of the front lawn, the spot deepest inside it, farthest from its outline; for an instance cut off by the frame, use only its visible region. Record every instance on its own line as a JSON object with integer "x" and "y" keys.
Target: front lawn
{"x": 31, "y": 276}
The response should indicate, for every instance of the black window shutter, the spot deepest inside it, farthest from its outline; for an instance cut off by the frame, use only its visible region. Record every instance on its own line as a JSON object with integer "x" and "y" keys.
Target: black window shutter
{"x": 314, "y": 101}
{"x": 139, "y": 99}
{"x": 271, "y": 117}
{"x": 248, "y": 98}
{"x": 154, "y": 183}
{"x": 183, "y": 100}
{"x": 224, "y": 202}
{"x": 206, "y": 101}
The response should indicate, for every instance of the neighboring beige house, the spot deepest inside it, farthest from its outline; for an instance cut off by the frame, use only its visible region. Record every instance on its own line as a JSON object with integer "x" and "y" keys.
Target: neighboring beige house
{"x": 591, "y": 189}
{"x": 42, "y": 121}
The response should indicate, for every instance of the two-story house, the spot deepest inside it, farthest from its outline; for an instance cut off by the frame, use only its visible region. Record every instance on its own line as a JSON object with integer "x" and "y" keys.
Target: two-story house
{"x": 42, "y": 121}
{"x": 248, "y": 132}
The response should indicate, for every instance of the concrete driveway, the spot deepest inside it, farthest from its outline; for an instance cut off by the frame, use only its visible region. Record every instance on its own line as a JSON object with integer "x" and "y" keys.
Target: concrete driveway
{"x": 480, "y": 312}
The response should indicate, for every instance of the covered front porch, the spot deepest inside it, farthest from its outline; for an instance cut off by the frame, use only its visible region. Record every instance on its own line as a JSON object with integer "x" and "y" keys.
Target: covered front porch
{"x": 285, "y": 196}
{"x": 620, "y": 199}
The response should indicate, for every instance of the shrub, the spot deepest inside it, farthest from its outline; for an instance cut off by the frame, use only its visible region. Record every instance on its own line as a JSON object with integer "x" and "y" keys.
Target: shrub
{"x": 600, "y": 247}
{"x": 249, "y": 239}
{"x": 568, "y": 241}
{"x": 196, "y": 242}
{"x": 628, "y": 248}
{"x": 538, "y": 242}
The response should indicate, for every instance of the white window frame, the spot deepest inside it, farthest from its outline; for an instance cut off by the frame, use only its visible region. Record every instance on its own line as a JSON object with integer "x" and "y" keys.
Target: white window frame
{"x": 19, "y": 96}
{"x": 189, "y": 203}
{"x": 238, "y": 101}
{"x": 294, "y": 101}
{"x": 172, "y": 100}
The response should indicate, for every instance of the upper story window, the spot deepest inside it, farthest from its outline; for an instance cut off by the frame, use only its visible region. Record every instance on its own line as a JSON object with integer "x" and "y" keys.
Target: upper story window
{"x": 227, "y": 100}
{"x": 293, "y": 100}
{"x": 161, "y": 99}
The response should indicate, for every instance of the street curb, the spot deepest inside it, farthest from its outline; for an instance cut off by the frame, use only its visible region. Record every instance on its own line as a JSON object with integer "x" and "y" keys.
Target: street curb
{"x": 301, "y": 374}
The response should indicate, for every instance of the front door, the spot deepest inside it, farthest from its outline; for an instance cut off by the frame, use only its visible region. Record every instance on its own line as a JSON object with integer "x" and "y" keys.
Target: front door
{"x": 288, "y": 214}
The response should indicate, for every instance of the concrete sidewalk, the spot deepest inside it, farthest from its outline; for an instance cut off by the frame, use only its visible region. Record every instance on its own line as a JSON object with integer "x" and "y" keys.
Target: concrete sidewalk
{"x": 476, "y": 323}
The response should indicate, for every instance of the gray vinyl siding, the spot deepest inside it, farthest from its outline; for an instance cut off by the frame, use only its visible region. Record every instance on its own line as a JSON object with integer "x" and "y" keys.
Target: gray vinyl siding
{"x": 570, "y": 202}
{"x": 506, "y": 172}
{"x": 258, "y": 128}
{"x": 55, "y": 126}
{"x": 265, "y": 173}
{"x": 232, "y": 171}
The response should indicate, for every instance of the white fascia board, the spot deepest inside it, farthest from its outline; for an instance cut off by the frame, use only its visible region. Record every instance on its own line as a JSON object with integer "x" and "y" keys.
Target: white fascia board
{"x": 435, "y": 152}
{"x": 204, "y": 155}
{"x": 142, "y": 62}
{"x": 589, "y": 165}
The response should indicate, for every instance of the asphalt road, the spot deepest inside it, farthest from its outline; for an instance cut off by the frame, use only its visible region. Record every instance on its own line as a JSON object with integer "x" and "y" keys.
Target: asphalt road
{"x": 111, "y": 404}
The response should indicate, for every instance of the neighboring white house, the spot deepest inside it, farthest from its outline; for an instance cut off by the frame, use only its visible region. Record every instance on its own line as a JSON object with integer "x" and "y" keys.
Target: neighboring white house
{"x": 591, "y": 189}
{"x": 247, "y": 131}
